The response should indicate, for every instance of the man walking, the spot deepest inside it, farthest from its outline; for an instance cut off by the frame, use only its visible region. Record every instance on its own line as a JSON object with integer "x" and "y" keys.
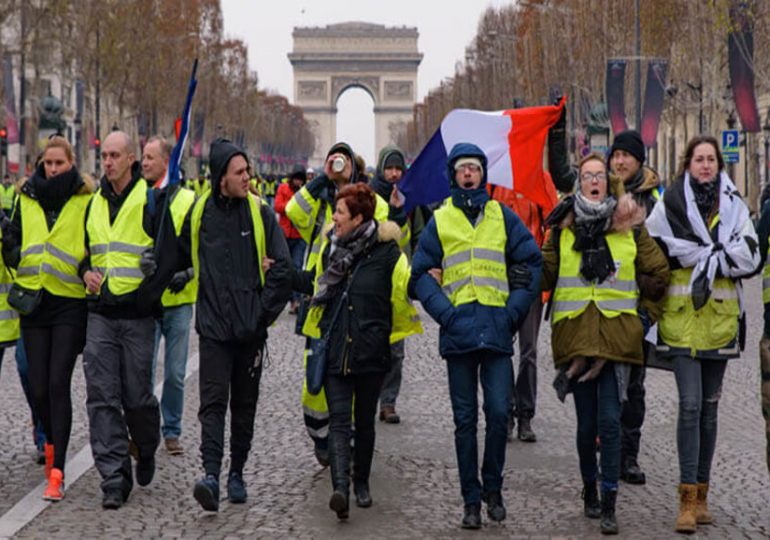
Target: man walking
{"x": 122, "y": 225}
{"x": 476, "y": 272}
{"x": 177, "y": 301}
{"x": 231, "y": 234}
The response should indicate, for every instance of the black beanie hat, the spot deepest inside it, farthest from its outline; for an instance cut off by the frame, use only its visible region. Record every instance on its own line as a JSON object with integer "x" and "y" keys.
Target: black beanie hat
{"x": 631, "y": 142}
{"x": 394, "y": 159}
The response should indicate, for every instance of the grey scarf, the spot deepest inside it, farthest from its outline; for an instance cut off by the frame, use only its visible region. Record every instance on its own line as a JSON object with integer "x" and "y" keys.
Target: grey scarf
{"x": 592, "y": 220}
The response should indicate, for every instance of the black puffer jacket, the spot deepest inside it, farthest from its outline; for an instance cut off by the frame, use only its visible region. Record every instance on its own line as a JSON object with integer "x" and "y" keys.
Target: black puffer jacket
{"x": 359, "y": 342}
{"x": 232, "y": 305}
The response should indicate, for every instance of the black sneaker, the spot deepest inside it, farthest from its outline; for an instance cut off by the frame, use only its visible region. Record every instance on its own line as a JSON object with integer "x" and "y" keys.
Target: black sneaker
{"x": 495, "y": 508}
{"x": 145, "y": 470}
{"x": 206, "y": 492}
{"x": 525, "y": 430}
{"x": 236, "y": 489}
{"x": 363, "y": 495}
{"x": 112, "y": 499}
{"x": 591, "y": 507}
{"x": 631, "y": 473}
{"x": 472, "y": 516}
{"x": 511, "y": 425}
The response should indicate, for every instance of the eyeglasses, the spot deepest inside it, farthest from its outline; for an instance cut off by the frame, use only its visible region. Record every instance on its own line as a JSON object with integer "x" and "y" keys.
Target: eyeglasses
{"x": 471, "y": 167}
{"x": 587, "y": 176}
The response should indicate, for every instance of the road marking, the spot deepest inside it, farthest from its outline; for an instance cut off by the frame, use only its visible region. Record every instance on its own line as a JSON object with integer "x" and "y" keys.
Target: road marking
{"x": 28, "y": 508}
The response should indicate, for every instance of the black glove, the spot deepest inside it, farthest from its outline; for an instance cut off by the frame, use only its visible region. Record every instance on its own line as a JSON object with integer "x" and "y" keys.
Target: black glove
{"x": 179, "y": 280}
{"x": 519, "y": 276}
{"x": 317, "y": 185}
{"x": 147, "y": 263}
{"x": 561, "y": 123}
{"x": 5, "y": 225}
{"x": 562, "y": 385}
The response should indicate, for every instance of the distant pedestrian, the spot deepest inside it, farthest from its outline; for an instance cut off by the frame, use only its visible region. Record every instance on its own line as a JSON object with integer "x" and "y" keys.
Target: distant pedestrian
{"x": 293, "y": 238}
{"x": 593, "y": 259}
{"x": 476, "y": 271}
{"x": 704, "y": 227}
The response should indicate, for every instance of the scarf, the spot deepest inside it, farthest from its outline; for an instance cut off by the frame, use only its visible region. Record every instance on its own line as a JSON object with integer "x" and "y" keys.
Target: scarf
{"x": 592, "y": 221}
{"x": 677, "y": 222}
{"x": 705, "y": 195}
{"x": 343, "y": 252}
{"x": 470, "y": 201}
{"x": 636, "y": 182}
{"x": 52, "y": 193}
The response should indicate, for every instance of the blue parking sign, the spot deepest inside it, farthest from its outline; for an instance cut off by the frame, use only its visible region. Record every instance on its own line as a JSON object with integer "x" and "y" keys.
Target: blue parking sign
{"x": 730, "y": 145}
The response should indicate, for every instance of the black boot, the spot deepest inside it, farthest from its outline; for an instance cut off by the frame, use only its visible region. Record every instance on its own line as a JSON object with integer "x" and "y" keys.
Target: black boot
{"x": 472, "y": 516}
{"x": 525, "y": 430}
{"x": 630, "y": 471}
{"x": 363, "y": 496}
{"x": 591, "y": 506}
{"x": 339, "y": 461}
{"x": 608, "y": 523}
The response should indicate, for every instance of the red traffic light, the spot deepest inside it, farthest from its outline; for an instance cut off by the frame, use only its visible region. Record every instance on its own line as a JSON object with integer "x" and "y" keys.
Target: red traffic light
{"x": 3, "y": 133}
{"x": 97, "y": 142}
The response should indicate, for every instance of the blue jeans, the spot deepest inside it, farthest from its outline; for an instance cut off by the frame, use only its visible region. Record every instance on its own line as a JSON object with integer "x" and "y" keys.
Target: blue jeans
{"x": 597, "y": 405}
{"x": 297, "y": 252}
{"x": 23, "y": 369}
{"x": 175, "y": 327}
{"x": 495, "y": 372}
{"x": 699, "y": 383}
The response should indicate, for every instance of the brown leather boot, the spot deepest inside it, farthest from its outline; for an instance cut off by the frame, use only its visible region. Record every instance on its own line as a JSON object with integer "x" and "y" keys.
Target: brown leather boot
{"x": 688, "y": 495}
{"x": 702, "y": 514}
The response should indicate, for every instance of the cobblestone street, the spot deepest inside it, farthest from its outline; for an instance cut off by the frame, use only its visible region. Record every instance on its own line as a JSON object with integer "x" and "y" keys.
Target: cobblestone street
{"x": 414, "y": 481}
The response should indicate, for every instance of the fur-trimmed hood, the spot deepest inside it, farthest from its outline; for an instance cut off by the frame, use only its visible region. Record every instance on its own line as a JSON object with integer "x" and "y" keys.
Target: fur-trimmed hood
{"x": 386, "y": 231}
{"x": 627, "y": 215}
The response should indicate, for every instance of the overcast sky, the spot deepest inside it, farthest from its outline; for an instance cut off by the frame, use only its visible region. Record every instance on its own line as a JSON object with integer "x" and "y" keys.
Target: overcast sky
{"x": 266, "y": 25}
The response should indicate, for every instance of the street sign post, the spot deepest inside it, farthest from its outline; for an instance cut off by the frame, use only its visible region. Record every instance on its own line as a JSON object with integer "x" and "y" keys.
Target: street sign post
{"x": 730, "y": 145}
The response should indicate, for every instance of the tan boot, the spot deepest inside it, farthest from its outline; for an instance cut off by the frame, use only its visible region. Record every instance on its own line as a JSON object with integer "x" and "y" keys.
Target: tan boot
{"x": 702, "y": 514}
{"x": 685, "y": 522}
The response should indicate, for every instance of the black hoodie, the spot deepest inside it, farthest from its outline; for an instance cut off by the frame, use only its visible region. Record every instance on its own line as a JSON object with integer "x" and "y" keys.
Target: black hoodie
{"x": 232, "y": 305}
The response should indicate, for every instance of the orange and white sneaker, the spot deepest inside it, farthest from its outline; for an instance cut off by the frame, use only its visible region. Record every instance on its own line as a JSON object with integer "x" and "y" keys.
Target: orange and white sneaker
{"x": 48, "y": 448}
{"x": 55, "y": 490}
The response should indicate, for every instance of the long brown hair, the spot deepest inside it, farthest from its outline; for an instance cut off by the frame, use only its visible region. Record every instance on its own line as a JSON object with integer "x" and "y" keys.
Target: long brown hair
{"x": 684, "y": 164}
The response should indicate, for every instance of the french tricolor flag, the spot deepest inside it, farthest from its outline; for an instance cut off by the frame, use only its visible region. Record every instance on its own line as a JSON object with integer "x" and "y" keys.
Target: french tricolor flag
{"x": 513, "y": 141}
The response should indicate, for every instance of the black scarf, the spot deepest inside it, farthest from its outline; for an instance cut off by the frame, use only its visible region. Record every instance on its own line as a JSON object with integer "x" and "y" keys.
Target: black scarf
{"x": 634, "y": 183}
{"x": 343, "y": 252}
{"x": 592, "y": 221}
{"x": 705, "y": 195}
{"x": 52, "y": 193}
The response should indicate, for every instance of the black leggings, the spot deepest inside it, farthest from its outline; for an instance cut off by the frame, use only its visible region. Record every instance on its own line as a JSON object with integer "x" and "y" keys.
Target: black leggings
{"x": 51, "y": 354}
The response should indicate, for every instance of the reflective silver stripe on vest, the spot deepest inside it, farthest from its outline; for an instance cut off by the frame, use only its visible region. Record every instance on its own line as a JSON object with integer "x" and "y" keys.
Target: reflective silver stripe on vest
{"x": 62, "y": 256}
{"x": 100, "y": 249}
{"x": 312, "y": 413}
{"x": 9, "y": 314}
{"x": 302, "y": 203}
{"x": 578, "y": 282}
{"x": 457, "y": 258}
{"x": 489, "y": 254}
{"x": 100, "y": 269}
{"x": 502, "y": 286}
{"x": 36, "y": 249}
{"x": 68, "y": 278}
{"x": 617, "y": 305}
{"x": 27, "y": 271}
{"x": 320, "y": 433}
{"x": 766, "y": 283}
{"x": 123, "y": 272}
{"x": 569, "y": 305}
{"x": 716, "y": 294}
{"x": 5, "y": 288}
{"x": 316, "y": 247}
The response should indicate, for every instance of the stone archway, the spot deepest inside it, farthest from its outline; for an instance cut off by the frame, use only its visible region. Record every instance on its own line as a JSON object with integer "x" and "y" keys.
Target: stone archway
{"x": 381, "y": 60}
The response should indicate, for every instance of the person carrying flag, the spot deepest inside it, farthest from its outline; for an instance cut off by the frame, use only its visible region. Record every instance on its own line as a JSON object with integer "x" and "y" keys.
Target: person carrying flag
{"x": 476, "y": 271}
{"x": 177, "y": 300}
{"x": 230, "y": 234}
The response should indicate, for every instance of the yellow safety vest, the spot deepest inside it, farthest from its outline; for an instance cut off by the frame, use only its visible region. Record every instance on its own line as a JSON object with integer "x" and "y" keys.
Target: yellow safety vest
{"x": 711, "y": 327}
{"x": 474, "y": 268}
{"x": 259, "y": 233}
{"x": 404, "y": 319}
{"x": 270, "y": 186}
{"x": 7, "y": 194}
{"x": 9, "y": 317}
{"x": 615, "y": 295}
{"x": 180, "y": 205}
{"x": 117, "y": 248}
{"x": 302, "y": 210}
{"x": 50, "y": 259}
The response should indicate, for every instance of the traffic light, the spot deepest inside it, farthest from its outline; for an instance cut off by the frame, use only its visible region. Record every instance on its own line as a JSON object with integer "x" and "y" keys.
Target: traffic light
{"x": 3, "y": 142}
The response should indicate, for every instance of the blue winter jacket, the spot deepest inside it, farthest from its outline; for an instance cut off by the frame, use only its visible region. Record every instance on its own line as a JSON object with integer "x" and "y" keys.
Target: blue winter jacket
{"x": 474, "y": 327}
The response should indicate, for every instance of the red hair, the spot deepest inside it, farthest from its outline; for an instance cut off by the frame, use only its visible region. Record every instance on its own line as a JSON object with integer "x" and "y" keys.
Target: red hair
{"x": 360, "y": 199}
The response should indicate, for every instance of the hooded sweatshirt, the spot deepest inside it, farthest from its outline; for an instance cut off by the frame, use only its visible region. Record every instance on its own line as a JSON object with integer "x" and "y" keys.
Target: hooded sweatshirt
{"x": 383, "y": 188}
{"x": 232, "y": 304}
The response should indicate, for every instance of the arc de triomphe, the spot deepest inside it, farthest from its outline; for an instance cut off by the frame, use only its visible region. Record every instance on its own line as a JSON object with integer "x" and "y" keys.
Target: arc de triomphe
{"x": 381, "y": 60}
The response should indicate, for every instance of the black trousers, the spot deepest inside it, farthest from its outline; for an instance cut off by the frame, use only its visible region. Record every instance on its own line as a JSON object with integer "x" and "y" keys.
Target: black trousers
{"x": 632, "y": 416}
{"x": 228, "y": 371}
{"x": 340, "y": 391}
{"x": 51, "y": 355}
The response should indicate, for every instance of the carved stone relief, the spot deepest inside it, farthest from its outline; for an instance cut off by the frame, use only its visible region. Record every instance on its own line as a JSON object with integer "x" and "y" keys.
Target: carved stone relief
{"x": 312, "y": 90}
{"x": 398, "y": 90}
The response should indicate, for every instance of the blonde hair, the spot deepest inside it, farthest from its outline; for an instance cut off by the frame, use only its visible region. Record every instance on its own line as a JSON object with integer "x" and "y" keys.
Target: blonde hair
{"x": 57, "y": 141}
